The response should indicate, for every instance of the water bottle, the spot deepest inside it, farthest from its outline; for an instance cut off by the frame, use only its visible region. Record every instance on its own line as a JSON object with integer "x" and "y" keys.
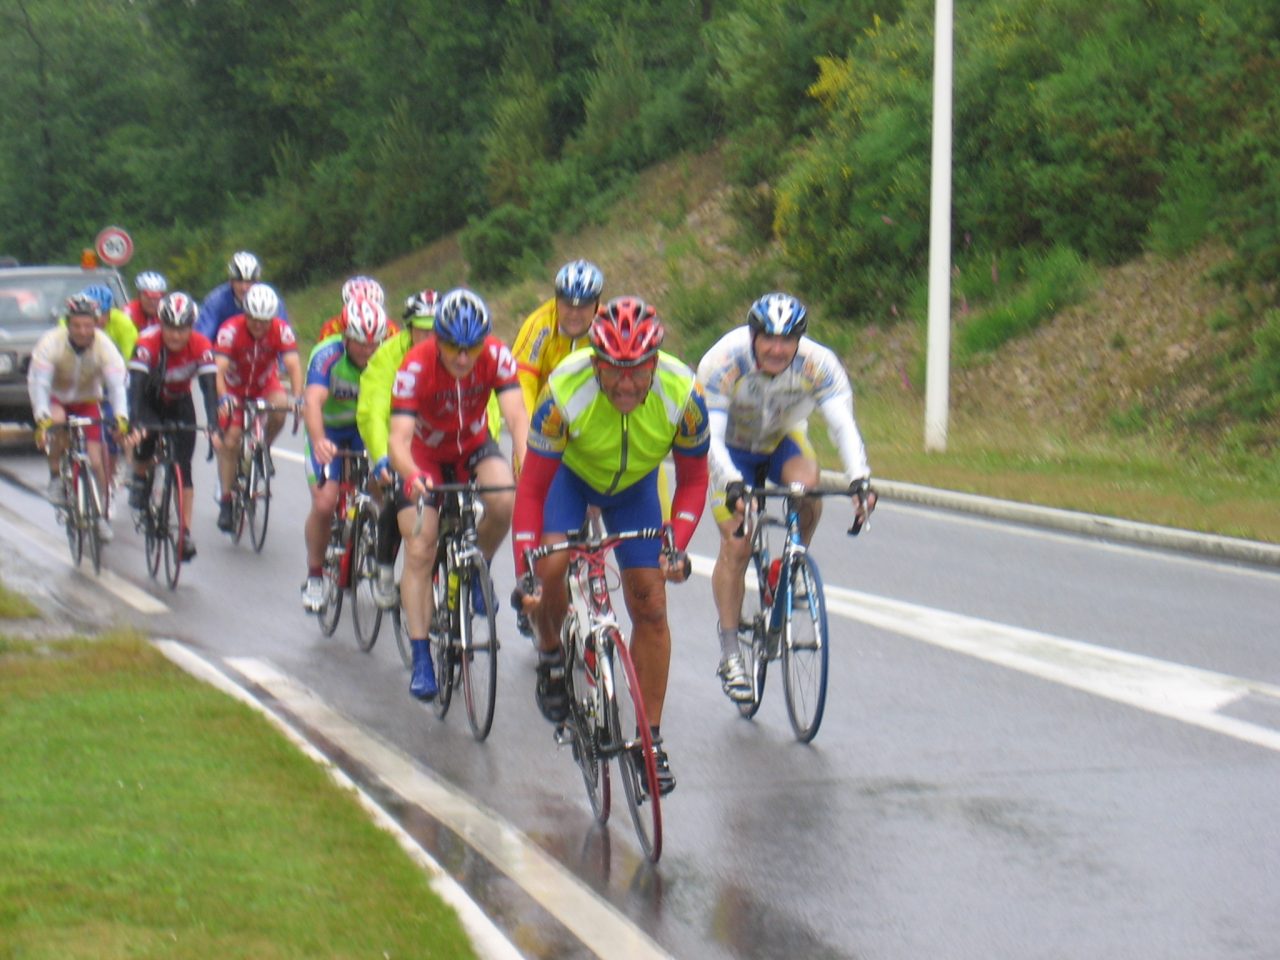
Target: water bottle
{"x": 771, "y": 581}
{"x": 453, "y": 589}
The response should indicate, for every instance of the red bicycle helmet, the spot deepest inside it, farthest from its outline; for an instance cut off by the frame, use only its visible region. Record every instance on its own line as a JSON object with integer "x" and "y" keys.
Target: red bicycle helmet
{"x": 626, "y": 332}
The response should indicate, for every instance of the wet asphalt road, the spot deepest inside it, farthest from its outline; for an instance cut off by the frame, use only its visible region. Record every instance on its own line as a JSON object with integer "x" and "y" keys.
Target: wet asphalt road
{"x": 1043, "y": 747}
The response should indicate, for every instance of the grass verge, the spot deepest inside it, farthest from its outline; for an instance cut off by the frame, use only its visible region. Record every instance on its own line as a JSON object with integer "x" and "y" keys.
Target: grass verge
{"x": 144, "y": 814}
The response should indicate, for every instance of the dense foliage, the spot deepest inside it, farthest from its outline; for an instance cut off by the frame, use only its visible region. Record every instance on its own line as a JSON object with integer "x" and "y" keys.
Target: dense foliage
{"x": 327, "y": 136}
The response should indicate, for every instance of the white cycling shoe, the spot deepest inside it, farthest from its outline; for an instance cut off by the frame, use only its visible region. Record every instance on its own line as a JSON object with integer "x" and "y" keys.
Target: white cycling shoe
{"x": 734, "y": 680}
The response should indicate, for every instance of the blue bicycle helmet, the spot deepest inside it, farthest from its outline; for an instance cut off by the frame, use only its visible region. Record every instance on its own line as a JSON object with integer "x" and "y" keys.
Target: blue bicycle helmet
{"x": 579, "y": 282}
{"x": 102, "y": 294}
{"x": 779, "y": 315}
{"x": 462, "y": 319}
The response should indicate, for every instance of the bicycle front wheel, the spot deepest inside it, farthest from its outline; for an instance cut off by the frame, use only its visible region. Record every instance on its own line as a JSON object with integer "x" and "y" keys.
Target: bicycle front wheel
{"x": 478, "y": 647}
{"x": 637, "y": 763}
{"x": 331, "y": 607}
{"x": 397, "y": 620}
{"x": 751, "y": 637}
{"x": 152, "y": 545}
{"x": 169, "y": 519}
{"x": 89, "y": 505}
{"x": 70, "y": 511}
{"x": 588, "y": 726}
{"x": 366, "y": 615}
{"x": 259, "y": 499}
{"x": 442, "y": 640}
{"x": 805, "y": 650}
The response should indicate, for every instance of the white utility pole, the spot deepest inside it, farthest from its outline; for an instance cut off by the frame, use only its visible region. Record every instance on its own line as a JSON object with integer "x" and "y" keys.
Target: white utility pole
{"x": 938, "y": 372}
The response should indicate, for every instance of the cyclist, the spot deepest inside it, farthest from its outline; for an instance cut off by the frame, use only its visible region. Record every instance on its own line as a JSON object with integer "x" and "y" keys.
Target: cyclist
{"x": 440, "y": 432}
{"x": 329, "y": 413}
{"x": 144, "y": 309}
{"x": 70, "y": 367}
{"x": 227, "y": 299}
{"x": 168, "y": 357}
{"x": 556, "y": 328}
{"x": 762, "y": 381}
{"x": 357, "y": 286}
{"x": 248, "y": 348}
{"x": 373, "y": 417}
{"x": 607, "y": 418}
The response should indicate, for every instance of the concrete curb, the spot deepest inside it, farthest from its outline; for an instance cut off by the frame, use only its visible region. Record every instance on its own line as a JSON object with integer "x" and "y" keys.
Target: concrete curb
{"x": 1085, "y": 524}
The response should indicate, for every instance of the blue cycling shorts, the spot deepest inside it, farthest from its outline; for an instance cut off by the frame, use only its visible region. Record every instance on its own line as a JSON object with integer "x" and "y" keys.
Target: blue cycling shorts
{"x": 345, "y": 438}
{"x": 635, "y": 507}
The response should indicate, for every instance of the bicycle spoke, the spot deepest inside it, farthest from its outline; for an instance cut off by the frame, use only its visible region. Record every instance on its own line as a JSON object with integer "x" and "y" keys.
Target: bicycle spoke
{"x": 805, "y": 651}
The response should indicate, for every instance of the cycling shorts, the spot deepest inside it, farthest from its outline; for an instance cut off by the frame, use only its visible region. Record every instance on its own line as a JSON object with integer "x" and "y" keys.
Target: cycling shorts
{"x": 344, "y": 438}
{"x": 446, "y": 471}
{"x": 758, "y": 467}
{"x": 631, "y": 509}
{"x": 93, "y": 433}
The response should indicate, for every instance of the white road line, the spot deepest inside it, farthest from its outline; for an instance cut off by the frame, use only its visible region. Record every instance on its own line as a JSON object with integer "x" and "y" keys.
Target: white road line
{"x": 281, "y": 452}
{"x": 593, "y": 920}
{"x": 1176, "y": 691}
{"x": 489, "y": 940}
{"x": 55, "y": 548}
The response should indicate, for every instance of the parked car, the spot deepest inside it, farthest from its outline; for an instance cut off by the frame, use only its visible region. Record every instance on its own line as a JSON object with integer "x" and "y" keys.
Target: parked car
{"x": 31, "y": 301}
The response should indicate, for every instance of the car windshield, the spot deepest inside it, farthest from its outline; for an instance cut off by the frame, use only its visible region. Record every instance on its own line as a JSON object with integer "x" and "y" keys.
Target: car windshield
{"x": 37, "y": 299}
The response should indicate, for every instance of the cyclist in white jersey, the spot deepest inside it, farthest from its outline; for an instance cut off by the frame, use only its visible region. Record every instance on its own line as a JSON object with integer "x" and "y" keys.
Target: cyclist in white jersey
{"x": 762, "y": 381}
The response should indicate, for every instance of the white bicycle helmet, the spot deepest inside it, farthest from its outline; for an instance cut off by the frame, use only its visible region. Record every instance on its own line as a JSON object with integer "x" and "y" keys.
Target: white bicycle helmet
{"x": 261, "y": 302}
{"x": 244, "y": 266}
{"x": 366, "y": 321}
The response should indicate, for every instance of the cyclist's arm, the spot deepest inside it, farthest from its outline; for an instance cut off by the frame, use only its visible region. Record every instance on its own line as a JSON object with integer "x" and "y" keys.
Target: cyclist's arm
{"x": 400, "y": 443}
{"x": 293, "y": 367}
{"x": 838, "y": 411}
{"x": 689, "y": 452}
{"x": 122, "y": 333}
{"x": 373, "y": 405}
{"x": 208, "y": 381}
{"x": 530, "y": 344}
{"x": 313, "y": 413}
{"x": 113, "y": 377}
{"x": 40, "y": 378}
{"x": 531, "y": 494}
{"x": 516, "y": 418}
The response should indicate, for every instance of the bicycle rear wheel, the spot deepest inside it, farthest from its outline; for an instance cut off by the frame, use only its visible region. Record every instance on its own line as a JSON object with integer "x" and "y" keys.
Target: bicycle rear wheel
{"x": 751, "y": 637}
{"x": 478, "y": 647}
{"x": 629, "y": 730}
{"x": 169, "y": 519}
{"x": 259, "y": 499}
{"x": 442, "y": 640}
{"x": 366, "y": 615}
{"x": 805, "y": 650}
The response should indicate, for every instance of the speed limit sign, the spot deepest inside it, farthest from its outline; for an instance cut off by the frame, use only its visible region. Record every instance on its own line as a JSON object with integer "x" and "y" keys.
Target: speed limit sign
{"x": 114, "y": 246}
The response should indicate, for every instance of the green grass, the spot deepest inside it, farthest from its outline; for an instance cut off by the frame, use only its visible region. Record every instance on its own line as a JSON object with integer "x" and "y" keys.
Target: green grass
{"x": 14, "y": 606}
{"x": 144, "y": 814}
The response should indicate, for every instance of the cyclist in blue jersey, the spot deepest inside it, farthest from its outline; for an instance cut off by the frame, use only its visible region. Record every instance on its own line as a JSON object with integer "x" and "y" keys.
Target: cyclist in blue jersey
{"x": 226, "y": 300}
{"x": 329, "y": 412}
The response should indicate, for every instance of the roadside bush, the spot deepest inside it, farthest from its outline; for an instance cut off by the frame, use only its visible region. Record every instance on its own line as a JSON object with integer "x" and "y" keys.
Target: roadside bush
{"x": 503, "y": 242}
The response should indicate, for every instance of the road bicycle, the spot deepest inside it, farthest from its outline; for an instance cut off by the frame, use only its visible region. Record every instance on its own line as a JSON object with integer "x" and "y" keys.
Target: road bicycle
{"x": 82, "y": 507}
{"x": 160, "y": 520}
{"x": 464, "y": 641}
{"x": 251, "y": 488}
{"x": 784, "y": 611}
{"x": 607, "y": 719}
{"x": 350, "y": 556}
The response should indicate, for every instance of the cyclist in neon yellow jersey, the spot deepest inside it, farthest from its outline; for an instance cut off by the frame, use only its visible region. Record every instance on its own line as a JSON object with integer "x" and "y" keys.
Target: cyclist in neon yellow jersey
{"x": 607, "y": 418}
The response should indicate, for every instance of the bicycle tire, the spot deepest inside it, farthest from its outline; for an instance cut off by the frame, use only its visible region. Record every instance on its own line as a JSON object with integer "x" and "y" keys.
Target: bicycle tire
{"x": 170, "y": 532}
{"x": 442, "y": 640}
{"x": 152, "y": 548}
{"x": 70, "y": 513}
{"x": 585, "y": 725}
{"x": 751, "y": 643}
{"x": 366, "y": 615}
{"x": 90, "y": 514}
{"x": 330, "y": 611}
{"x": 478, "y": 650}
{"x": 625, "y": 710}
{"x": 239, "y": 503}
{"x": 259, "y": 499}
{"x": 805, "y": 650}
{"x": 397, "y": 618}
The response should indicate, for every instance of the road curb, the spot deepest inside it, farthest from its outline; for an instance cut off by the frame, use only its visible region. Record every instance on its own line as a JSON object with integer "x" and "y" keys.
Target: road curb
{"x": 1085, "y": 524}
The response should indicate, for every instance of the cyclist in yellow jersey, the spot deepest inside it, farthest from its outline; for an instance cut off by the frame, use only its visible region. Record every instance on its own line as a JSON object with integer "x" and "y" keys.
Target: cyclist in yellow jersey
{"x": 607, "y": 418}
{"x": 557, "y": 328}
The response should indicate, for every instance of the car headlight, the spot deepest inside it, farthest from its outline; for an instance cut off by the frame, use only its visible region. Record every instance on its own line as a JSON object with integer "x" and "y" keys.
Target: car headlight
{"x": 8, "y": 364}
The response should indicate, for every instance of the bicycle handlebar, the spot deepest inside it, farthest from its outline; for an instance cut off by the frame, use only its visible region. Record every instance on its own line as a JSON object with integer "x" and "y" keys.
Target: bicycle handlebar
{"x": 796, "y": 491}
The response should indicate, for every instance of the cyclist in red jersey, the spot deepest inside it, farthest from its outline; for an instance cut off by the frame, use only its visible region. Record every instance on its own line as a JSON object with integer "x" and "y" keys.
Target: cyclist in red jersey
{"x": 247, "y": 350}
{"x": 166, "y": 359}
{"x": 144, "y": 309}
{"x": 440, "y": 433}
